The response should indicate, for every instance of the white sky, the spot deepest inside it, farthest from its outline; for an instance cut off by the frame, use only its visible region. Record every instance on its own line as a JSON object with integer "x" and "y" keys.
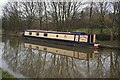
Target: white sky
{"x": 2, "y": 2}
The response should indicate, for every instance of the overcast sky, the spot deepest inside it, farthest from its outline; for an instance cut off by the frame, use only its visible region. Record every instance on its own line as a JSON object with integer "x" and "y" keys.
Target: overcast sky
{"x": 2, "y": 2}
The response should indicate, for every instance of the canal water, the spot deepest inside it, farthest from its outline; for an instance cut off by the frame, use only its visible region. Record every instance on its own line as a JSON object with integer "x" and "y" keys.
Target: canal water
{"x": 25, "y": 59}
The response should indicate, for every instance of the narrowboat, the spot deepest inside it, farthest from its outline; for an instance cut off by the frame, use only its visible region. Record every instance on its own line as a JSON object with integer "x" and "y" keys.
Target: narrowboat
{"x": 65, "y": 38}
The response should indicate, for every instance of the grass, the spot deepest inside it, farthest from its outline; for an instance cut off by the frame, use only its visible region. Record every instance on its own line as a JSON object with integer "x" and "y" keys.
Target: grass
{"x": 5, "y": 75}
{"x": 111, "y": 43}
{"x": 94, "y": 30}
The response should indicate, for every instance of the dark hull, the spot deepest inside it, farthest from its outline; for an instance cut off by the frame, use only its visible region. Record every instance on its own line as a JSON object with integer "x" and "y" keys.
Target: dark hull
{"x": 40, "y": 40}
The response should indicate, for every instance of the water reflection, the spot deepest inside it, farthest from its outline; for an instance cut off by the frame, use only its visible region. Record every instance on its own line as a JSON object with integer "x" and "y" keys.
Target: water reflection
{"x": 50, "y": 61}
{"x": 63, "y": 51}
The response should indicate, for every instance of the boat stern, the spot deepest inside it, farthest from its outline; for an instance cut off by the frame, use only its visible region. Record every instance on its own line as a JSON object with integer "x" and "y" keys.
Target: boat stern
{"x": 96, "y": 45}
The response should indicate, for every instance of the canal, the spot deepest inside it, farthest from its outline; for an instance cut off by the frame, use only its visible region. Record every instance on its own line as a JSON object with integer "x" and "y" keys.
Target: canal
{"x": 26, "y": 59}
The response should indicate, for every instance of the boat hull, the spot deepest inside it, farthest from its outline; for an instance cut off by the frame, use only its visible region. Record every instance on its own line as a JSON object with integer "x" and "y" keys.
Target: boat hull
{"x": 56, "y": 41}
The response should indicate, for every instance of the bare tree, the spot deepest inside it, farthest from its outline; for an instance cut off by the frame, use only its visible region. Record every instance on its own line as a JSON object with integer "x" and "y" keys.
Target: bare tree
{"x": 12, "y": 16}
{"x": 40, "y": 12}
{"x": 55, "y": 16}
{"x": 118, "y": 21}
{"x": 103, "y": 6}
{"x": 111, "y": 22}
{"x": 29, "y": 13}
{"x": 90, "y": 16}
{"x": 46, "y": 14}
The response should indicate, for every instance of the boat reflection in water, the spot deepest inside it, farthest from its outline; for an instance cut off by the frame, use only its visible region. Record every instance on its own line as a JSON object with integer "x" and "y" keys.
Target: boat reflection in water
{"x": 45, "y": 60}
{"x": 73, "y": 52}
{"x": 58, "y": 60}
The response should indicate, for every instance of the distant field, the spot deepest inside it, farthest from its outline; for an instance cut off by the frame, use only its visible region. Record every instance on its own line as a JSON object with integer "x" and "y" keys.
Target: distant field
{"x": 96, "y": 31}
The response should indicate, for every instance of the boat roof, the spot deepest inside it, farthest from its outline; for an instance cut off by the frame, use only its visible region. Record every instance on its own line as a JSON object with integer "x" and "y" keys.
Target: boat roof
{"x": 45, "y": 31}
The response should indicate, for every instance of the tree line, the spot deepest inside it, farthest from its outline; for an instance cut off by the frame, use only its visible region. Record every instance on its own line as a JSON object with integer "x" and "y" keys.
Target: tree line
{"x": 62, "y": 16}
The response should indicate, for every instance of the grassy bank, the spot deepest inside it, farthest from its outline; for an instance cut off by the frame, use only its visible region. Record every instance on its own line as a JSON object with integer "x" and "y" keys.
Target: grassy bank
{"x": 18, "y": 34}
{"x": 95, "y": 30}
{"x": 5, "y": 74}
{"x": 109, "y": 44}
{"x": 113, "y": 43}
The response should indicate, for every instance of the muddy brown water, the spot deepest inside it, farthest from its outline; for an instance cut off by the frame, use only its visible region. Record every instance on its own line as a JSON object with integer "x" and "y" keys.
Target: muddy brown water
{"x": 29, "y": 60}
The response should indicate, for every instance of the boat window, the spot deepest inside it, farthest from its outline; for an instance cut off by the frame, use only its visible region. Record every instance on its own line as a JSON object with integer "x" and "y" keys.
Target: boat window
{"x": 30, "y": 33}
{"x": 45, "y": 49}
{"x": 65, "y": 36}
{"x": 37, "y": 34}
{"x": 37, "y": 47}
{"x": 56, "y": 35}
{"x": 30, "y": 46}
{"x": 45, "y": 34}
